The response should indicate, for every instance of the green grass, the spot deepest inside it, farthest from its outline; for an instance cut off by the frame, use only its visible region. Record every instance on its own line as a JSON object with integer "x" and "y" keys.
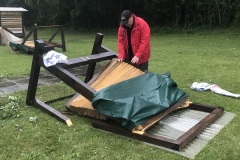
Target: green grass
{"x": 205, "y": 56}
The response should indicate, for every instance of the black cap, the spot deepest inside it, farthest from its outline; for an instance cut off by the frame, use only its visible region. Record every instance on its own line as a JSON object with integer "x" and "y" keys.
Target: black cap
{"x": 126, "y": 14}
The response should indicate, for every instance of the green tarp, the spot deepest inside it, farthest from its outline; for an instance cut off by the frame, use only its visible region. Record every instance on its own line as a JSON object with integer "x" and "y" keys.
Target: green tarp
{"x": 19, "y": 47}
{"x": 135, "y": 101}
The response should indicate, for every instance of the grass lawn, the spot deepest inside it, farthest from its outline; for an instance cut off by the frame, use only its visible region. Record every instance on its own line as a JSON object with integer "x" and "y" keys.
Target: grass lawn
{"x": 203, "y": 56}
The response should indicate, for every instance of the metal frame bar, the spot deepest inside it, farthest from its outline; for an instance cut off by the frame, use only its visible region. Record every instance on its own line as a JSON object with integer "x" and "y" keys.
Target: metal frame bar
{"x": 99, "y": 53}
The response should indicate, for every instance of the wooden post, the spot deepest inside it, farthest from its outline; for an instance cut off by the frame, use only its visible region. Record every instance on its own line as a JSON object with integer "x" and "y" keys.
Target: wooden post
{"x": 32, "y": 86}
{"x": 91, "y": 67}
{"x": 63, "y": 39}
{"x": 23, "y": 28}
{"x": 35, "y": 70}
{"x": 59, "y": 70}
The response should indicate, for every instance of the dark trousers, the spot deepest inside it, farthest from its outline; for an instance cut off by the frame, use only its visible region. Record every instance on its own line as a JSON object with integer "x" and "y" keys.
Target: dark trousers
{"x": 144, "y": 66}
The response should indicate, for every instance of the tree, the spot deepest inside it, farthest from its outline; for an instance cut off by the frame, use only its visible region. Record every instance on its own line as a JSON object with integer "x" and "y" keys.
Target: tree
{"x": 106, "y": 13}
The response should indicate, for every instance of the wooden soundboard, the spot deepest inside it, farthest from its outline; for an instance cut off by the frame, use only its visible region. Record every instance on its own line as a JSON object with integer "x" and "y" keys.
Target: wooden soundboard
{"x": 113, "y": 73}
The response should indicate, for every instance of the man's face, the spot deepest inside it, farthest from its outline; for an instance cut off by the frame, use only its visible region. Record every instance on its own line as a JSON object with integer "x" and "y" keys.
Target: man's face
{"x": 130, "y": 21}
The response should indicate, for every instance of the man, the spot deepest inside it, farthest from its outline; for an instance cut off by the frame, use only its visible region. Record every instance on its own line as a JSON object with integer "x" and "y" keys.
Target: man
{"x": 134, "y": 40}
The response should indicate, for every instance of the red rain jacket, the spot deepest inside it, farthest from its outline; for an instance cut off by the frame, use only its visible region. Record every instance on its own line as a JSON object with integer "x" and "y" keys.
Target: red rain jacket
{"x": 140, "y": 40}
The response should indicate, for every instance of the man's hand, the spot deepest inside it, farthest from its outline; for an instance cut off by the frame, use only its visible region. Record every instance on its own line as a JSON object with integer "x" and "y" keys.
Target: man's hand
{"x": 135, "y": 59}
{"x": 120, "y": 59}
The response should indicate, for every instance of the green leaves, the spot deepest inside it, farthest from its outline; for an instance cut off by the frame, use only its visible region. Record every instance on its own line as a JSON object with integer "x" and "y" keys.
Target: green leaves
{"x": 33, "y": 119}
{"x": 10, "y": 109}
